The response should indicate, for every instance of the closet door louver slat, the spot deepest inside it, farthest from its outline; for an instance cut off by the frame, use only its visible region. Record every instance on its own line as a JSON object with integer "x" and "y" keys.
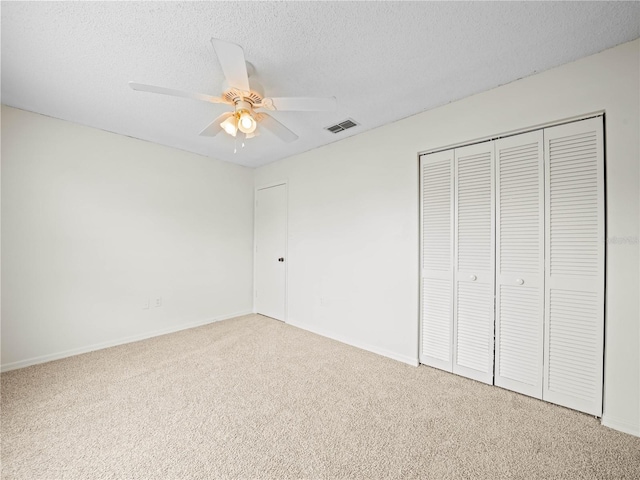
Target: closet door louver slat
{"x": 437, "y": 260}
{"x": 574, "y": 283}
{"x": 474, "y": 262}
{"x": 520, "y": 263}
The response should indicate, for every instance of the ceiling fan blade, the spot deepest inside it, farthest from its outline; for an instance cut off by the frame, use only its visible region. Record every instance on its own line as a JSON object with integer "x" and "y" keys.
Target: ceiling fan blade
{"x": 301, "y": 104}
{"x": 234, "y": 66}
{"x": 176, "y": 93}
{"x": 214, "y": 127}
{"x": 275, "y": 127}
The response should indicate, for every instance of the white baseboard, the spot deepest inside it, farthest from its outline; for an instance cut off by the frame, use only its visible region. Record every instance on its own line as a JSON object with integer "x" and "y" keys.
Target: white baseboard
{"x": 113, "y": 343}
{"x": 620, "y": 425}
{"x": 363, "y": 346}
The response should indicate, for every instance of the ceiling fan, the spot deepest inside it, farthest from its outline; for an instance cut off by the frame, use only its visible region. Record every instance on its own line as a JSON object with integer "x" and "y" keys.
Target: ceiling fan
{"x": 245, "y": 95}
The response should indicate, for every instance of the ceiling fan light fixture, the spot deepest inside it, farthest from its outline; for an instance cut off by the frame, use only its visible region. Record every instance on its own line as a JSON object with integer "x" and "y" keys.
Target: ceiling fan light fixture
{"x": 230, "y": 125}
{"x": 246, "y": 97}
{"x": 246, "y": 122}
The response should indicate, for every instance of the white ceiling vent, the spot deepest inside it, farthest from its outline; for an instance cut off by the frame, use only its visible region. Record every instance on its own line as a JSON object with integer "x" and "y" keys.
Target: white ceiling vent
{"x": 342, "y": 126}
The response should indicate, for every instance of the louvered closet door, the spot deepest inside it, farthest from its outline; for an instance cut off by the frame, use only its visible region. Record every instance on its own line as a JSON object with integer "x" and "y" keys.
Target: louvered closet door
{"x": 474, "y": 262}
{"x": 437, "y": 259}
{"x": 520, "y": 263}
{"x": 574, "y": 297}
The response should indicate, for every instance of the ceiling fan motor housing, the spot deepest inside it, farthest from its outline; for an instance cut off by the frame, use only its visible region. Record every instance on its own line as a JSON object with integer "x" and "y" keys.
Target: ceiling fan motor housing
{"x": 254, "y": 97}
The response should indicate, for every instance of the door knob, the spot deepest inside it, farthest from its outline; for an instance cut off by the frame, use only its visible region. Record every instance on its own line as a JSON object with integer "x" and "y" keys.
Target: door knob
{"x": 281, "y": 259}
{"x": 473, "y": 278}
{"x": 519, "y": 281}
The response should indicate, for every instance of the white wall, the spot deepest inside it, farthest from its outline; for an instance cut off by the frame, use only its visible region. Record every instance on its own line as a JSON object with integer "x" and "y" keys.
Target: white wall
{"x": 353, "y": 214}
{"x": 94, "y": 223}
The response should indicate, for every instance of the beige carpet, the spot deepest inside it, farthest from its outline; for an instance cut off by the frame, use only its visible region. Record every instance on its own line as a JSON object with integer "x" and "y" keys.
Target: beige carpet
{"x": 254, "y": 398}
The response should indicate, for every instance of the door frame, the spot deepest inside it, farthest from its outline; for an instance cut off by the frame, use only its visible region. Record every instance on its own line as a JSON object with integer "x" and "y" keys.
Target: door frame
{"x": 285, "y": 183}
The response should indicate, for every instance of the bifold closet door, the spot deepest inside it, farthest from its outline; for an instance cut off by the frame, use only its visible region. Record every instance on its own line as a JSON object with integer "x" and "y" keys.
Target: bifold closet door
{"x": 437, "y": 259}
{"x": 574, "y": 270}
{"x": 474, "y": 255}
{"x": 520, "y": 263}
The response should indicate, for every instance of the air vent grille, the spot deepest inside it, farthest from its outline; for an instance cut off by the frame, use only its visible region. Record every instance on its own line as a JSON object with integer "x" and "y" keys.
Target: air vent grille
{"x": 342, "y": 126}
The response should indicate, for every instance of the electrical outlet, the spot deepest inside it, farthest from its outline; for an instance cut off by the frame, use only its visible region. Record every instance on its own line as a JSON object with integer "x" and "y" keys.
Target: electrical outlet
{"x": 145, "y": 304}
{"x": 158, "y": 302}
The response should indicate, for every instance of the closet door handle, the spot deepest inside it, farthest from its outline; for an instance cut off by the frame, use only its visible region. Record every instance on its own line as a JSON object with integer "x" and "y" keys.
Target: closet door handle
{"x": 281, "y": 259}
{"x": 519, "y": 281}
{"x": 473, "y": 278}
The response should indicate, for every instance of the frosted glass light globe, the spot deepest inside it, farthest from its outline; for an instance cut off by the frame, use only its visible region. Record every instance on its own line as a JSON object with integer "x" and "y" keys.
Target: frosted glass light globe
{"x": 247, "y": 123}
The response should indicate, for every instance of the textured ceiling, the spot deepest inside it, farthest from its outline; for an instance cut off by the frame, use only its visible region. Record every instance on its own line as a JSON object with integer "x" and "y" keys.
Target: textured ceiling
{"x": 382, "y": 60}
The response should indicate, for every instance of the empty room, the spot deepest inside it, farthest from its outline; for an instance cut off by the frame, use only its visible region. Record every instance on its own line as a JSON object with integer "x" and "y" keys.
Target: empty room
{"x": 327, "y": 240}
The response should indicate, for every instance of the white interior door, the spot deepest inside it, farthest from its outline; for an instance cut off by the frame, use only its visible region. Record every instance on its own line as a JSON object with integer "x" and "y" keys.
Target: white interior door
{"x": 574, "y": 283}
{"x": 270, "y": 251}
{"x": 474, "y": 262}
{"x": 520, "y": 263}
{"x": 436, "y": 345}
